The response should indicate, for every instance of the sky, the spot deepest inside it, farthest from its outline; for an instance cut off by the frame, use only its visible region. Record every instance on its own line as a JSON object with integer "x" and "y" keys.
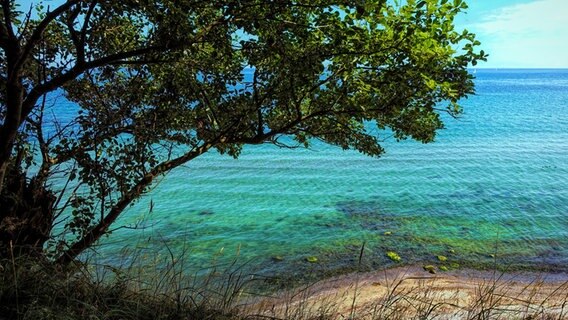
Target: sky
{"x": 520, "y": 33}
{"x": 515, "y": 33}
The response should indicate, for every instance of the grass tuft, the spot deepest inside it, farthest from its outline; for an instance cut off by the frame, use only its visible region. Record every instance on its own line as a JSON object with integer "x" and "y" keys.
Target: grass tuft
{"x": 35, "y": 289}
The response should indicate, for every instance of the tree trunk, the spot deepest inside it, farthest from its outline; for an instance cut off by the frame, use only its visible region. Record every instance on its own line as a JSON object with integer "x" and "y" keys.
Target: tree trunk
{"x": 9, "y": 131}
{"x": 26, "y": 215}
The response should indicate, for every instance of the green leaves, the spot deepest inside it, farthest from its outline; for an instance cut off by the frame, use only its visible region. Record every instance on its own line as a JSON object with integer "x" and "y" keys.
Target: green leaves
{"x": 160, "y": 82}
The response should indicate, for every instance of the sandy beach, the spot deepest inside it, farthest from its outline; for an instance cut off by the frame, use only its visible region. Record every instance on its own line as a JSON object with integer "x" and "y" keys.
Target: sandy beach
{"x": 411, "y": 292}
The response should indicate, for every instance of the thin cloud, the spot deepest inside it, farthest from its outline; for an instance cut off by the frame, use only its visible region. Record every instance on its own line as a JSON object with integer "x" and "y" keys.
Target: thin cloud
{"x": 526, "y": 35}
{"x": 522, "y": 19}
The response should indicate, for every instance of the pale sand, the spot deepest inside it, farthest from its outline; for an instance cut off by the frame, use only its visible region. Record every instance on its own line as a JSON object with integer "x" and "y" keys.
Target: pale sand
{"x": 409, "y": 292}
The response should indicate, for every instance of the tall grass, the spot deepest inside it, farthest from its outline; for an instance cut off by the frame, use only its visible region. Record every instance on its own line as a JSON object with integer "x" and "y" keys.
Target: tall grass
{"x": 35, "y": 289}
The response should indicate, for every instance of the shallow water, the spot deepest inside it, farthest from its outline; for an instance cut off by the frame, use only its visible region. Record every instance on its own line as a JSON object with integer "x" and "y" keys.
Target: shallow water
{"x": 493, "y": 188}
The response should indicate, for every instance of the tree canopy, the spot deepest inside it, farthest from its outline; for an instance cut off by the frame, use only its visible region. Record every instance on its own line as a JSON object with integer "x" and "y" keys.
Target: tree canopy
{"x": 159, "y": 83}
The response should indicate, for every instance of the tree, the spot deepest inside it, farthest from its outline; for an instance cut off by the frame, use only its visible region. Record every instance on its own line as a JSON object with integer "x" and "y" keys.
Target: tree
{"x": 159, "y": 83}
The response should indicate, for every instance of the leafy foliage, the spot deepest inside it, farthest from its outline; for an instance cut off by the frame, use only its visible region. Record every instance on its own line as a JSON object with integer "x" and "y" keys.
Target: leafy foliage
{"x": 159, "y": 83}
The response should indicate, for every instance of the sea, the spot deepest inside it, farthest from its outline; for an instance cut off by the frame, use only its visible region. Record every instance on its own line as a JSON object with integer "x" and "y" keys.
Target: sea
{"x": 490, "y": 192}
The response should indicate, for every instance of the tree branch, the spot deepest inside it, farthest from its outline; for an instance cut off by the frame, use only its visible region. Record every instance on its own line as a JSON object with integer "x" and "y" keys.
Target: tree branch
{"x": 260, "y": 126}
{"x": 79, "y": 46}
{"x": 41, "y": 89}
{"x": 74, "y": 72}
{"x": 38, "y": 31}
{"x": 24, "y": 26}
{"x": 3, "y": 37}
{"x": 86, "y": 21}
{"x": 7, "y": 27}
{"x": 134, "y": 193}
{"x": 43, "y": 146}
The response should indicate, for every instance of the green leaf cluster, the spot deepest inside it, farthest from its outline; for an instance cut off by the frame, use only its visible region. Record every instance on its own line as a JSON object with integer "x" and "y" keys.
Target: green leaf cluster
{"x": 159, "y": 83}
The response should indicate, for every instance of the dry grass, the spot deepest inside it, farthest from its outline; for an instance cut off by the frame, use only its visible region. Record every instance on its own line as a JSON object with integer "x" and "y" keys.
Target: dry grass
{"x": 36, "y": 290}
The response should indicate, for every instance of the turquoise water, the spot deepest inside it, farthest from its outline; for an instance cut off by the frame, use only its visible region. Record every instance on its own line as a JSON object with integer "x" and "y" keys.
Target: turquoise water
{"x": 493, "y": 188}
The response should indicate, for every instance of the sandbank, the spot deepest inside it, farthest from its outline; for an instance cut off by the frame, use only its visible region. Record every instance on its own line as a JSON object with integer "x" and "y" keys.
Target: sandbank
{"x": 409, "y": 292}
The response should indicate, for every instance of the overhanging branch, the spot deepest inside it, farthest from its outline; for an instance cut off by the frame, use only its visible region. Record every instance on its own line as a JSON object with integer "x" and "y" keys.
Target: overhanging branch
{"x": 134, "y": 193}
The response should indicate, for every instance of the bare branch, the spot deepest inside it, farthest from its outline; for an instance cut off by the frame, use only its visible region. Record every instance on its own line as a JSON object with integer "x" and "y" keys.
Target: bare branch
{"x": 62, "y": 193}
{"x": 24, "y": 25}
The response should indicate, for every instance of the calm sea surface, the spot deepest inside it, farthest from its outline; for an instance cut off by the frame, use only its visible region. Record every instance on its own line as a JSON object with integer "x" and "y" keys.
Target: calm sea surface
{"x": 493, "y": 188}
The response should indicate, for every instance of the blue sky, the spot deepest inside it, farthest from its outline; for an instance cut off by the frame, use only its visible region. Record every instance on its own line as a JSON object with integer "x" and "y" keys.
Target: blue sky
{"x": 515, "y": 33}
{"x": 520, "y": 33}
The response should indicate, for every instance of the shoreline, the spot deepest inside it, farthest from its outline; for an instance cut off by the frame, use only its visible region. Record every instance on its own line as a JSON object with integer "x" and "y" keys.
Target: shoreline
{"x": 410, "y": 289}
